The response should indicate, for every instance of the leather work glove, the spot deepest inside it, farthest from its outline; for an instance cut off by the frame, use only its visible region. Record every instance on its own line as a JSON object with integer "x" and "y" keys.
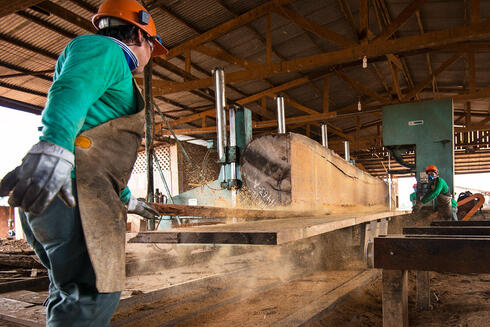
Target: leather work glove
{"x": 44, "y": 173}
{"x": 417, "y": 206}
{"x": 140, "y": 207}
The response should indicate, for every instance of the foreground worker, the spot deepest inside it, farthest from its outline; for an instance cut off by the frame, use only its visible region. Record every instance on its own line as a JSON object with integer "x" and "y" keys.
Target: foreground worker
{"x": 72, "y": 185}
{"x": 438, "y": 189}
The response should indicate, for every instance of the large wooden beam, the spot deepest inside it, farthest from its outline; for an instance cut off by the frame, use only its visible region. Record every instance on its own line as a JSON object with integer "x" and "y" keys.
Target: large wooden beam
{"x": 399, "y": 20}
{"x": 349, "y": 55}
{"x": 226, "y": 27}
{"x": 434, "y": 253}
{"x": 8, "y": 7}
{"x": 316, "y": 28}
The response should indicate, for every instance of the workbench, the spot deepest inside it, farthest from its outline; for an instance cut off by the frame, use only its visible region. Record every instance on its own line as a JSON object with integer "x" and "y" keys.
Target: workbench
{"x": 445, "y": 246}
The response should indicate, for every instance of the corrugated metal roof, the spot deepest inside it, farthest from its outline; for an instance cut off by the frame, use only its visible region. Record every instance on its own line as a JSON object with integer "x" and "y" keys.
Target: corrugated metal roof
{"x": 288, "y": 39}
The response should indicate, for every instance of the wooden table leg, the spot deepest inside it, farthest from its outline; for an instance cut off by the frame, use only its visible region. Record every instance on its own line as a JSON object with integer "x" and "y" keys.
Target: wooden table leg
{"x": 395, "y": 298}
{"x": 423, "y": 290}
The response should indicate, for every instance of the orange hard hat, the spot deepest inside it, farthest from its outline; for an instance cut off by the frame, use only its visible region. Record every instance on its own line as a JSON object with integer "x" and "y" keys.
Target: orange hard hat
{"x": 431, "y": 168}
{"x": 132, "y": 12}
{"x": 415, "y": 185}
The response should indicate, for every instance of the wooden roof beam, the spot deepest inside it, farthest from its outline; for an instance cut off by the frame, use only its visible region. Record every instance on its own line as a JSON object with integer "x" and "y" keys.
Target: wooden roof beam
{"x": 226, "y": 27}
{"x": 429, "y": 78}
{"x": 67, "y": 15}
{"x": 315, "y": 28}
{"x": 400, "y": 20}
{"x": 360, "y": 87}
{"x": 8, "y": 7}
{"x": 344, "y": 56}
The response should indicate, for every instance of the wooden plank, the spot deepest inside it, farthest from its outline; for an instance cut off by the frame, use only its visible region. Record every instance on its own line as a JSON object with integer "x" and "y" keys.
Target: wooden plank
{"x": 8, "y": 7}
{"x": 460, "y": 223}
{"x": 37, "y": 283}
{"x": 448, "y": 230}
{"x": 441, "y": 254}
{"x": 226, "y": 27}
{"x": 395, "y": 298}
{"x": 348, "y": 55}
{"x": 227, "y": 57}
{"x": 22, "y": 313}
{"x": 197, "y": 237}
{"x": 223, "y": 212}
{"x": 327, "y": 302}
{"x": 267, "y": 232}
{"x": 399, "y": 20}
{"x": 423, "y": 290}
{"x": 20, "y": 260}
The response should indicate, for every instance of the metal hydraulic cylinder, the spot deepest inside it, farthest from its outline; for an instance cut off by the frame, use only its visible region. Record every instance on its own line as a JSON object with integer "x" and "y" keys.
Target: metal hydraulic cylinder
{"x": 281, "y": 119}
{"x": 324, "y": 136}
{"x": 346, "y": 151}
{"x": 219, "y": 82}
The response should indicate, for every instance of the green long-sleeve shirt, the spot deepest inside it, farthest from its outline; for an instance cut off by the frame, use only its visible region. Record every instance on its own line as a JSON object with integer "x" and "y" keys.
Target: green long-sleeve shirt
{"x": 437, "y": 187}
{"x": 92, "y": 85}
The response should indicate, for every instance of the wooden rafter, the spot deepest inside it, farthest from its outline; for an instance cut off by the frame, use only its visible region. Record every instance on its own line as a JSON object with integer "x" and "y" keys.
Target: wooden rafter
{"x": 67, "y": 15}
{"x": 429, "y": 78}
{"x": 360, "y": 87}
{"x": 8, "y": 7}
{"x": 315, "y": 28}
{"x": 226, "y": 27}
{"x": 427, "y": 55}
{"x": 349, "y": 55}
{"x": 399, "y": 20}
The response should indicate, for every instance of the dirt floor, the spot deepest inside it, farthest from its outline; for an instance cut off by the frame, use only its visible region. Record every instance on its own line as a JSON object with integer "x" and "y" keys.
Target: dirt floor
{"x": 457, "y": 301}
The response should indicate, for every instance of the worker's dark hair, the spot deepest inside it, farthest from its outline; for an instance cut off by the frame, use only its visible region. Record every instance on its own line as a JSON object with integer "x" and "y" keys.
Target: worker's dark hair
{"x": 124, "y": 33}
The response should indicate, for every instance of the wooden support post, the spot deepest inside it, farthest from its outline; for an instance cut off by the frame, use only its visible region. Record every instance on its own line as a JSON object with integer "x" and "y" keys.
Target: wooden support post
{"x": 474, "y": 11}
{"x": 268, "y": 40}
{"x": 326, "y": 94}
{"x": 188, "y": 61}
{"x": 363, "y": 20}
{"x": 263, "y": 103}
{"x": 149, "y": 123}
{"x": 395, "y": 298}
{"x": 472, "y": 70}
{"x": 358, "y": 133}
{"x": 308, "y": 130}
{"x": 203, "y": 121}
{"x": 423, "y": 290}
{"x": 467, "y": 109}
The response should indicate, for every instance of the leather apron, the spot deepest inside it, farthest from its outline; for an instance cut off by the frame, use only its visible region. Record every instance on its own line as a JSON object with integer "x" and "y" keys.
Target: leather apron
{"x": 444, "y": 208}
{"x": 104, "y": 157}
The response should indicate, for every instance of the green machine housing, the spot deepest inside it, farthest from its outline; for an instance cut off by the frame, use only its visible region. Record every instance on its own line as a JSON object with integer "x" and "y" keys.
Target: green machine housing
{"x": 427, "y": 128}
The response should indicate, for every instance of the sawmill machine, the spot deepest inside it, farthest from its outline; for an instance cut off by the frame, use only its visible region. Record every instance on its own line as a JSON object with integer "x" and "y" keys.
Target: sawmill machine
{"x": 426, "y": 130}
{"x": 281, "y": 170}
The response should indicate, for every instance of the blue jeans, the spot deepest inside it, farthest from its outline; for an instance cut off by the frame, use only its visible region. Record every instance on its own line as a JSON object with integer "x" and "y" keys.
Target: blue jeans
{"x": 57, "y": 238}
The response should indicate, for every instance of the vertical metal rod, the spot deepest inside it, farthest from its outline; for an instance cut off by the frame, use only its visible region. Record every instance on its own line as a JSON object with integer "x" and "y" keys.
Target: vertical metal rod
{"x": 324, "y": 136}
{"x": 346, "y": 151}
{"x": 149, "y": 138}
{"x": 281, "y": 119}
{"x": 232, "y": 113}
{"x": 219, "y": 83}
{"x": 389, "y": 178}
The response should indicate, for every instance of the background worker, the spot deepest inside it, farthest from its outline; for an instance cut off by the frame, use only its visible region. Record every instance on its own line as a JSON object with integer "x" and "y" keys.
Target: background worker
{"x": 413, "y": 196}
{"x": 438, "y": 189}
{"x": 72, "y": 185}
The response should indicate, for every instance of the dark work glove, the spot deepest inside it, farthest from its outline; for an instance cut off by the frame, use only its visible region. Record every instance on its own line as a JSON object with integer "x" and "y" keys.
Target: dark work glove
{"x": 417, "y": 206}
{"x": 140, "y": 207}
{"x": 44, "y": 173}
